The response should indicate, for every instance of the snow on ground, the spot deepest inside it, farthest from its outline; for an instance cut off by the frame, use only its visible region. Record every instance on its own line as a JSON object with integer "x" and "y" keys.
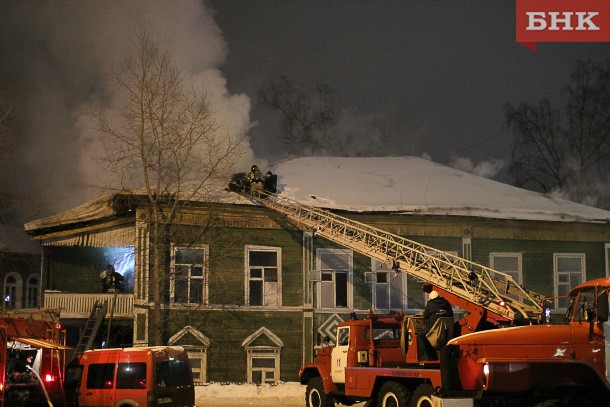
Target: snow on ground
{"x": 287, "y": 394}
{"x": 413, "y": 185}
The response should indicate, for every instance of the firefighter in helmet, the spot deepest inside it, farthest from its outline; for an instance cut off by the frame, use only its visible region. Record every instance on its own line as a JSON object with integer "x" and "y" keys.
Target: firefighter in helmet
{"x": 110, "y": 280}
{"x": 255, "y": 177}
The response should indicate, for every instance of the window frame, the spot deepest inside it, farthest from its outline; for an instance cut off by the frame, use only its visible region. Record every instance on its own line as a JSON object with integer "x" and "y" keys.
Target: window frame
{"x": 518, "y": 255}
{"x": 264, "y": 352}
{"x": 199, "y": 353}
{"x": 583, "y": 273}
{"x": 190, "y": 278}
{"x": 247, "y": 275}
{"x": 377, "y": 268}
{"x": 32, "y": 292}
{"x": 17, "y": 290}
{"x": 349, "y": 278}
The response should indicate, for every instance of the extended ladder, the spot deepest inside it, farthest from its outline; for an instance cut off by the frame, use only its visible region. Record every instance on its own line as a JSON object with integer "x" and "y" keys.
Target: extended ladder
{"x": 92, "y": 326}
{"x": 495, "y": 291}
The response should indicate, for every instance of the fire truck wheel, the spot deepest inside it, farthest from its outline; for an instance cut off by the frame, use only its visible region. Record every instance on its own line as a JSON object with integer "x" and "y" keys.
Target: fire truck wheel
{"x": 393, "y": 394}
{"x": 422, "y": 396}
{"x": 315, "y": 396}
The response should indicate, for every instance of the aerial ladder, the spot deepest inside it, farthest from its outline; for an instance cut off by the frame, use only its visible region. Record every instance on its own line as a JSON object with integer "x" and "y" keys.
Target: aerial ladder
{"x": 485, "y": 294}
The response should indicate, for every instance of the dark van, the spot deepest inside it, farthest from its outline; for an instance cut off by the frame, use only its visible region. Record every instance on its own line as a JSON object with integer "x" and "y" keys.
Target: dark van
{"x": 130, "y": 377}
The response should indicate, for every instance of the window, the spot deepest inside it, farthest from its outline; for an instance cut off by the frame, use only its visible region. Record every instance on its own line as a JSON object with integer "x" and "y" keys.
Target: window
{"x": 263, "y": 348}
{"x": 381, "y": 333}
{"x": 74, "y": 374}
{"x": 343, "y": 336}
{"x": 100, "y": 376}
{"x": 335, "y": 287}
{"x": 195, "y": 343}
{"x": 264, "y": 370}
{"x": 131, "y": 376}
{"x": 467, "y": 248}
{"x": 12, "y": 290}
{"x": 389, "y": 288}
{"x": 172, "y": 373}
{"x": 32, "y": 292}
{"x": 189, "y": 275}
{"x": 263, "y": 276}
{"x": 569, "y": 270}
{"x": 198, "y": 361}
{"x": 508, "y": 263}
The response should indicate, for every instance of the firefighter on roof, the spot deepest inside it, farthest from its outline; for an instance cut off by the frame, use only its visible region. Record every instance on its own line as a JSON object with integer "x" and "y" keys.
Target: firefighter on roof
{"x": 256, "y": 179}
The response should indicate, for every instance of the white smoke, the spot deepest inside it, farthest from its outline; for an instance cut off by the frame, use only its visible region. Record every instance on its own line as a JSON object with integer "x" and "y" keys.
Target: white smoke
{"x": 79, "y": 44}
{"x": 486, "y": 169}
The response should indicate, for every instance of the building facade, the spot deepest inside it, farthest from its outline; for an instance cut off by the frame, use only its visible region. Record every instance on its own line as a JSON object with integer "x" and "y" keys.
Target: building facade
{"x": 250, "y": 296}
{"x": 19, "y": 269}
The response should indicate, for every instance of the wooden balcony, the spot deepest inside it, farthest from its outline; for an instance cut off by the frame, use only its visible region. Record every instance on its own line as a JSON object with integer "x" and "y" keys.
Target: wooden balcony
{"x": 75, "y": 305}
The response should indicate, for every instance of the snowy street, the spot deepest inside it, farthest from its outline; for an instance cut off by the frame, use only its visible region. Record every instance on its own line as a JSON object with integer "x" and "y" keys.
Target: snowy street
{"x": 289, "y": 394}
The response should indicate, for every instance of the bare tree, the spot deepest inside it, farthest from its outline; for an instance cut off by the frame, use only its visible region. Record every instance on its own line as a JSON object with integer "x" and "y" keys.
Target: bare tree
{"x": 305, "y": 119}
{"x": 565, "y": 149}
{"x": 165, "y": 147}
{"x": 310, "y": 124}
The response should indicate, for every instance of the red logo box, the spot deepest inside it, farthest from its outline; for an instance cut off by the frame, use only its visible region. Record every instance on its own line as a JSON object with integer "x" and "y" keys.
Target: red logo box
{"x": 562, "y": 21}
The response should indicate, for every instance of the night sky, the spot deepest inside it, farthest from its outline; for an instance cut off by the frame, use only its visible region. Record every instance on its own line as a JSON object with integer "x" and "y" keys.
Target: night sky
{"x": 440, "y": 72}
{"x": 434, "y": 76}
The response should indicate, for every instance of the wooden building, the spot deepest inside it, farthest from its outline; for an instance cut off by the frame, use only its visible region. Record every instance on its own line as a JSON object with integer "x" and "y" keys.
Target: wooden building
{"x": 19, "y": 269}
{"x": 250, "y": 295}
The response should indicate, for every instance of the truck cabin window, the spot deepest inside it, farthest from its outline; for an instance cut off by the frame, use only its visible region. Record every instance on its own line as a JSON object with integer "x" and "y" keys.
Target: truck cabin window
{"x": 584, "y": 306}
{"x": 382, "y": 333}
{"x": 343, "y": 337}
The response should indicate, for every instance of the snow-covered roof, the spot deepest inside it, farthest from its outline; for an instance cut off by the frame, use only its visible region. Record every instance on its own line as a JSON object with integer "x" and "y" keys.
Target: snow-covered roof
{"x": 105, "y": 206}
{"x": 402, "y": 185}
{"x": 413, "y": 185}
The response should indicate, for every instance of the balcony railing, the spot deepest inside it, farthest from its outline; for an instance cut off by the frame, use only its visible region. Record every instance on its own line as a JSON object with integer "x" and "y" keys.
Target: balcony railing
{"x": 74, "y": 305}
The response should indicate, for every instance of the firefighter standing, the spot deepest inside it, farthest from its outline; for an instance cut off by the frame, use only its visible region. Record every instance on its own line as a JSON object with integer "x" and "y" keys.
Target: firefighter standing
{"x": 437, "y": 307}
{"x": 110, "y": 280}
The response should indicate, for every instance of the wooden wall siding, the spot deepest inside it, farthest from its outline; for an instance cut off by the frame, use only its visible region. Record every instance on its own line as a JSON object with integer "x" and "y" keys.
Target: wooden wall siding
{"x": 226, "y": 331}
{"x": 235, "y": 216}
{"x": 537, "y": 257}
{"x": 457, "y": 226}
{"x": 227, "y": 267}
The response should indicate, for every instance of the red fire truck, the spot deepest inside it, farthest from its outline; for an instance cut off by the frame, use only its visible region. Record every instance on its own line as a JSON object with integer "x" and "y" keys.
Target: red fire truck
{"x": 32, "y": 358}
{"x": 375, "y": 359}
{"x": 503, "y": 350}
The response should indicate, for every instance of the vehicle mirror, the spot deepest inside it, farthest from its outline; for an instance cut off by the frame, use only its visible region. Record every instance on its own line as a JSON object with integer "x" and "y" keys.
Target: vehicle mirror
{"x": 602, "y": 306}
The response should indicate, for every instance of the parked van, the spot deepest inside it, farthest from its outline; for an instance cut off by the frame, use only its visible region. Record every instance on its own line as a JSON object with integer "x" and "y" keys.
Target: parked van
{"x": 130, "y": 377}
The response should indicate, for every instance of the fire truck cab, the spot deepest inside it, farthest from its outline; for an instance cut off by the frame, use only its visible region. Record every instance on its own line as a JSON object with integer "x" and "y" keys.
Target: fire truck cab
{"x": 567, "y": 362}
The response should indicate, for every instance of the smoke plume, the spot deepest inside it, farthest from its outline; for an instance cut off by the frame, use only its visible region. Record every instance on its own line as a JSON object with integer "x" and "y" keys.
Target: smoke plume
{"x": 64, "y": 52}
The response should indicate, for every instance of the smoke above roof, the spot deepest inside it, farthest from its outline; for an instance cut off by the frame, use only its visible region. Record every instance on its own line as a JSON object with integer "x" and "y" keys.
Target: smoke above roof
{"x": 63, "y": 53}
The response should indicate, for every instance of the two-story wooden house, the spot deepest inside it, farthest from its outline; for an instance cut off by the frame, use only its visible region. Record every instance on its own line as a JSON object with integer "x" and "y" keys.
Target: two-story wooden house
{"x": 250, "y": 295}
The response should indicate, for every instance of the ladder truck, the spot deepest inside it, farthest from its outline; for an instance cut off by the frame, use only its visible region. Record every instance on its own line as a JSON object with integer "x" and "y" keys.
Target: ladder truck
{"x": 524, "y": 363}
